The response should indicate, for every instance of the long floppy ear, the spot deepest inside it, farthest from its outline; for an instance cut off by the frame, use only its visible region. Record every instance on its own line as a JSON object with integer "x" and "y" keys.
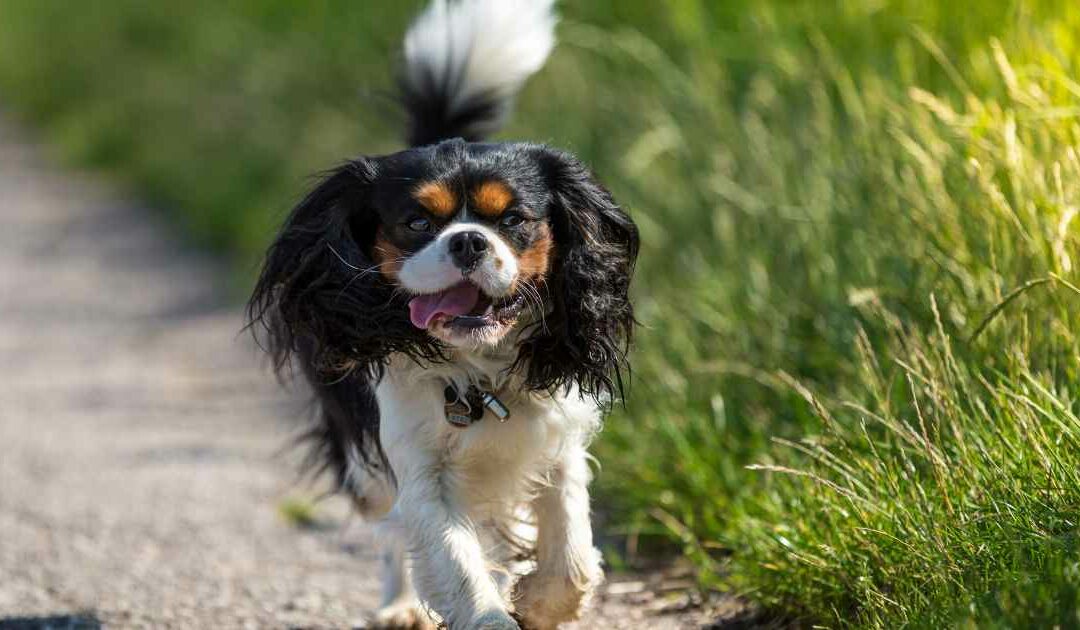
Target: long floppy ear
{"x": 584, "y": 340}
{"x": 320, "y": 296}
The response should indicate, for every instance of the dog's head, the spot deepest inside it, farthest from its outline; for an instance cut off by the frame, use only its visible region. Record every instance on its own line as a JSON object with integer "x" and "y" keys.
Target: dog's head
{"x": 455, "y": 245}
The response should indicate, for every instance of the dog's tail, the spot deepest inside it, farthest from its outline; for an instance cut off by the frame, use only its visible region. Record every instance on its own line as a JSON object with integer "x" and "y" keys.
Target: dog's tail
{"x": 465, "y": 60}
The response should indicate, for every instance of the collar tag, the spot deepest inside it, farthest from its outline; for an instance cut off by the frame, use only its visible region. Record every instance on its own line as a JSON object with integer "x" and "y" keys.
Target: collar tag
{"x": 464, "y": 410}
{"x": 495, "y": 405}
{"x": 458, "y": 420}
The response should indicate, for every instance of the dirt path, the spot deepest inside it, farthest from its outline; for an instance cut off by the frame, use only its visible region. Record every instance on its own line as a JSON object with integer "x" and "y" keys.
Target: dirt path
{"x": 141, "y": 471}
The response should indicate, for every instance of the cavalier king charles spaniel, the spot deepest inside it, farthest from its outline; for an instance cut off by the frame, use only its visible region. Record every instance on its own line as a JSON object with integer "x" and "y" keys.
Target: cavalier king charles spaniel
{"x": 461, "y": 311}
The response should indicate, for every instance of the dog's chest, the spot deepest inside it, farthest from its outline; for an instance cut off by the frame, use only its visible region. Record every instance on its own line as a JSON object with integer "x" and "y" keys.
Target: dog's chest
{"x": 495, "y": 465}
{"x": 490, "y": 452}
{"x": 532, "y": 431}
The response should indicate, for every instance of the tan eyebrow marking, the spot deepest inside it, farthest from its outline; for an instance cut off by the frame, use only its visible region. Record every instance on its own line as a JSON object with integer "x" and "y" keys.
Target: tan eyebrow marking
{"x": 437, "y": 197}
{"x": 492, "y": 198}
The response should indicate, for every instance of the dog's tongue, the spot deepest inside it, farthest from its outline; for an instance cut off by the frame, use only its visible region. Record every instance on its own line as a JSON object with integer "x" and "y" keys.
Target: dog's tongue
{"x": 457, "y": 300}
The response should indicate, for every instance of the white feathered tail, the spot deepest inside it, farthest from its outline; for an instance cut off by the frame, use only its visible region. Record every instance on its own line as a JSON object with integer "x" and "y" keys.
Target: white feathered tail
{"x": 466, "y": 60}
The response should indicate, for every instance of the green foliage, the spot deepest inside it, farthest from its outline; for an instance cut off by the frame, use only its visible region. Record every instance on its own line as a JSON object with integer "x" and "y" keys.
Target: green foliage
{"x": 858, "y": 272}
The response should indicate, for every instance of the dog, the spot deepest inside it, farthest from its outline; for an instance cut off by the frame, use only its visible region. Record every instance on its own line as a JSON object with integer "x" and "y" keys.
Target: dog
{"x": 461, "y": 311}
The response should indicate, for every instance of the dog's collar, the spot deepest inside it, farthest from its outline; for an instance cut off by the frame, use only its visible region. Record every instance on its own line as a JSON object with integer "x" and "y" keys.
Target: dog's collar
{"x": 465, "y": 408}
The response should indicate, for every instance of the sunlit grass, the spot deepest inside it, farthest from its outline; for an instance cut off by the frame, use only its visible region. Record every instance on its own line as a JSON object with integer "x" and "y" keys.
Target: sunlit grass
{"x": 923, "y": 488}
{"x": 854, "y": 390}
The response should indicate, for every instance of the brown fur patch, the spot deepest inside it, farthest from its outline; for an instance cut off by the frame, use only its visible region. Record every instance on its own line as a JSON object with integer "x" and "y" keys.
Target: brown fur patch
{"x": 534, "y": 262}
{"x": 492, "y": 198}
{"x": 437, "y": 197}
{"x": 388, "y": 256}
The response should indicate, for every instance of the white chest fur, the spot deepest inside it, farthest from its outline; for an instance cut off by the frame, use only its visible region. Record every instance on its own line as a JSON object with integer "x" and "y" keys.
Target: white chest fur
{"x": 490, "y": 461}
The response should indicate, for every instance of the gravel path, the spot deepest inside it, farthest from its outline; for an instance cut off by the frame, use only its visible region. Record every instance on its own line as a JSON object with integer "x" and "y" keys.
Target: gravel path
{"x": 141, "y": 460}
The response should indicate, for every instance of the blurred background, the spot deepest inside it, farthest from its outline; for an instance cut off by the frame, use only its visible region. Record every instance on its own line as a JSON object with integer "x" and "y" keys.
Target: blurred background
{"x": 854, "y": 393}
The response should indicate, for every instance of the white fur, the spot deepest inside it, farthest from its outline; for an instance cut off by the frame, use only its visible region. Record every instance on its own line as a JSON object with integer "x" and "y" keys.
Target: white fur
{"x": 430, "y": 270}
{"x": 457, "y": 488}
{"x": 481, "y": 48}
{"x": 399, "y": 608}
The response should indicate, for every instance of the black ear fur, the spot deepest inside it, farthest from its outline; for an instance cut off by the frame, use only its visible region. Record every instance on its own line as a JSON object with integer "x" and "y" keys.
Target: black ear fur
{"x": 584, "y": 340}
{"x": 321, "y": 299}
{"x": 320, "y": 295}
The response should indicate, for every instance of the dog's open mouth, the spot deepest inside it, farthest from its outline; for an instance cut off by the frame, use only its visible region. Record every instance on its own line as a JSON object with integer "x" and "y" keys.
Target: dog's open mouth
{"x": 463, "y": 305}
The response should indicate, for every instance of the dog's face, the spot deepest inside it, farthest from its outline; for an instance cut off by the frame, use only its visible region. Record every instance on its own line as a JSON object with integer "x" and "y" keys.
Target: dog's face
{"x": 465, "y": 231}
{"x": 455, "y": 245}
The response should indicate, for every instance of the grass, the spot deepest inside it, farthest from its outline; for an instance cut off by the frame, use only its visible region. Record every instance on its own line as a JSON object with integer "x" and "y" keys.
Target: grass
{"x": 854, "y": 397}
{"x": 299, "y": 513}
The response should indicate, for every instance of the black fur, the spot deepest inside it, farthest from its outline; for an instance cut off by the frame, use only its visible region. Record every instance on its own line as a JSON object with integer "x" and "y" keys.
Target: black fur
{"x": 319, "y": 301}
{"x": 430, "y": 117}
{"x": 587, "y": 335}
{"x": 347, "y": 426}
{"x": 320, "y": 292}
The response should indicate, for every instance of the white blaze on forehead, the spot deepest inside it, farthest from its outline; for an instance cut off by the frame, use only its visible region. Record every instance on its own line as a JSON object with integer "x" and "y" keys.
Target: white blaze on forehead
{"x": 431, "y": 269}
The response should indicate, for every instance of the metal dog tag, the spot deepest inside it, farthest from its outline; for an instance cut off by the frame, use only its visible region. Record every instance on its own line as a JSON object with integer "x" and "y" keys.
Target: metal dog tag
{"x": 495, "y": 406}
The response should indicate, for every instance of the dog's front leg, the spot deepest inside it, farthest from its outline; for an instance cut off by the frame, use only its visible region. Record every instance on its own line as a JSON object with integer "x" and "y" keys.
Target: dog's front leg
{"x": 567, "y": 566}
{"x": 449, "y": 569}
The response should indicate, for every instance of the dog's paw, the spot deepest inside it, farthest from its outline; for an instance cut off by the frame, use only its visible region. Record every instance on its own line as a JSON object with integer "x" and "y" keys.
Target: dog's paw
{"x": 495, "y": 620}
{"x": 543, "y": 602}
{"x": 400, "y": 616}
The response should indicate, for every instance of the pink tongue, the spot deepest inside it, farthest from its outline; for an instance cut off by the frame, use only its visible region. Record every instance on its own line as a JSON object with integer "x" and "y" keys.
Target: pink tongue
{"x": 457, "y": 300}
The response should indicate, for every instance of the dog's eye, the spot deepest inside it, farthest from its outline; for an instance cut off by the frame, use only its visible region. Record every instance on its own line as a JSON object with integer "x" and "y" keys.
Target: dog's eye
{"x": 419, "y": 224}
{"x": 511, "y": 219}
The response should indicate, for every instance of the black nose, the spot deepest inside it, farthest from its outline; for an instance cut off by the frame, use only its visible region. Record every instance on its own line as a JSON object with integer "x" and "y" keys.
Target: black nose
{"x": 467, "y": 248}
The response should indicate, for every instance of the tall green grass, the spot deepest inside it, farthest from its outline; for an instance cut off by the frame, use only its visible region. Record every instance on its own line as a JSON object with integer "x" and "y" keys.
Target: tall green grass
{"x": 841, "y": 201}
{"x": 853, "y": 397}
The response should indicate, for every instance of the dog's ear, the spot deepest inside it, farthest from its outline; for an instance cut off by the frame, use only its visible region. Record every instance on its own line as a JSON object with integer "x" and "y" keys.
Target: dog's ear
{"x": 584, "y": 340}
{"x": 319, "y": 295}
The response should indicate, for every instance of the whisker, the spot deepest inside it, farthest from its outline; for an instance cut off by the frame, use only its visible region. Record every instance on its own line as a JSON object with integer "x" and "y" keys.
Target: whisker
{"x": 343, "y": 261}
{"x": 360, "y": 274}
{"x": 372, "y": 269}
{"x": 532, "y": 294}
